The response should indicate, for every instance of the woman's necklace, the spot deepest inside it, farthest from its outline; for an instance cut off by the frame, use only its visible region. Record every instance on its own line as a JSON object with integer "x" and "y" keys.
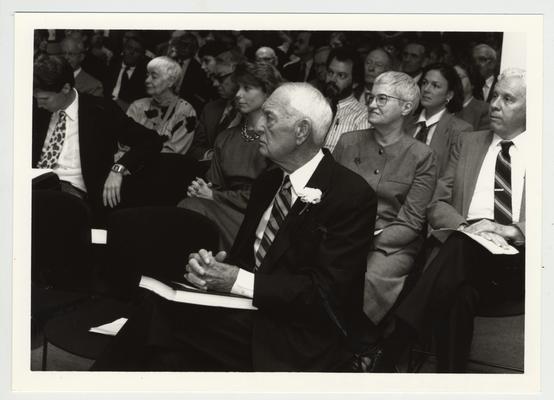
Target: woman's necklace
{"x": 248, "y": 135}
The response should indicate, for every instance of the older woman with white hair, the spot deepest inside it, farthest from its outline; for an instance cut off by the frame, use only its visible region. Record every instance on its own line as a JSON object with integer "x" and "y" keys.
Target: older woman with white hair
{"x": 164, "y": 111}
{"x": 403, "y": 173}
{"x": 175, "y": 121}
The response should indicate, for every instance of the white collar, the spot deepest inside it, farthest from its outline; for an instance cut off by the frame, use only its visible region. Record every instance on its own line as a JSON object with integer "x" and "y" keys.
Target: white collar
{"x": 489, "y": 81}
{"x": 433, "y": 120}
{"x": 466, "y": 103}
{"x": 77, "y": 72}
{"x": 131, "y": 68}
{"x": 72, "y": 110}
{"x": 300, "y": 177}
{"x": 520, "y": 141}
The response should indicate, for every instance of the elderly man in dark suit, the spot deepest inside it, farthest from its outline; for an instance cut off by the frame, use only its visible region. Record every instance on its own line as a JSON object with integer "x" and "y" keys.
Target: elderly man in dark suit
{"x": 482, "y": 192}
{"x": 76, "y": 136}
{"x": 300, "y": 255}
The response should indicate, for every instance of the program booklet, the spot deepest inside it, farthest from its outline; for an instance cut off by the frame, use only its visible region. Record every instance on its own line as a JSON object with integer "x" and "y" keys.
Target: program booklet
{"x": 443, "y": 234}
{"x": 184, "y": 293}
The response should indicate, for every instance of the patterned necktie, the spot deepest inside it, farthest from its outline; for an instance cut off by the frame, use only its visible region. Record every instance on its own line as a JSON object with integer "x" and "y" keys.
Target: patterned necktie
{"x": 51, "y": 152}
{"x": 503, "y": 185}
{"x": 281, "y": 207}
{"x": 423, "y": 132}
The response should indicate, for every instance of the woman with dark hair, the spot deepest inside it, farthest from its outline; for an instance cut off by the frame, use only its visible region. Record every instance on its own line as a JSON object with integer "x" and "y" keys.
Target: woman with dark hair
{"x": 236, "y": 162}
{"x": 435, "y": 123}
{"x": 474, "y": 111}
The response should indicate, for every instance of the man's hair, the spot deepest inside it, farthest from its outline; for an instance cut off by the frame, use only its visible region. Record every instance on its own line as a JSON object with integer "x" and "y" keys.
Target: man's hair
{"x": 264, "y": 76}
{"x": 454, "y": 84}
{"x": 488, "y": 50}
{"x": 514, "y": 73}
{"x": 403, "y": 85}
{"x": 347, "y": 54}
{"x": 383, "y": 51}
{"x": 306, "y": 102}
{"x": 230, "y": 58}
{"x": 212, "y": 48}
{"x": 78, "y": 43}
{"x": 51, "y": 73}
{"x": 187, "y": 39}
{"x": 169, "y": 68}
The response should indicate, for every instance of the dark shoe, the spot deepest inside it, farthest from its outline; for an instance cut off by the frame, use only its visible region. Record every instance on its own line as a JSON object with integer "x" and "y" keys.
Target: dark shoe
{"x": 373, "y": 359}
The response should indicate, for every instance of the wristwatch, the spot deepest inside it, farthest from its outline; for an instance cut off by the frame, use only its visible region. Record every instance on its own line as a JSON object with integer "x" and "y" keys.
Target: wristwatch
{"x": 118, "y": 168}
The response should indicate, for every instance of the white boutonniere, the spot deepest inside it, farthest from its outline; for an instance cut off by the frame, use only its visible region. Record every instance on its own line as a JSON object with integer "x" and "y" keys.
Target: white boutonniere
{"x": 309, "y": 196}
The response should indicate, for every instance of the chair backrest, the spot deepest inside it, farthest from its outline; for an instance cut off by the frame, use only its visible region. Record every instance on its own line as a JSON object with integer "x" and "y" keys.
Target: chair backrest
{"x": 154, "y": 241}
{"x": 60, "y": 242}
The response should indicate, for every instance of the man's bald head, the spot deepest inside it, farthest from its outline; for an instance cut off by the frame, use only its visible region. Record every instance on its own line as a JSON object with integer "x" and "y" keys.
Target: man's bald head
{"x": 266, "y": 55}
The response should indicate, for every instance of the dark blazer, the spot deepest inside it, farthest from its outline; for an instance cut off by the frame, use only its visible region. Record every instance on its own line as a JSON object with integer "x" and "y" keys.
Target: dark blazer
{"x": 476, "y": 113}
{"x": 478, "y": 90}
{"x": 455, "y": 189}
{"x": 207, "y": 128}
{"x": 292, "y": 73}
{"x": 311, "y": 279}
{"x": 101, "y": 125}
{"x": 447, "y": 133}
{"x": 136, "y": 88}
{"x": 196, "y": 88}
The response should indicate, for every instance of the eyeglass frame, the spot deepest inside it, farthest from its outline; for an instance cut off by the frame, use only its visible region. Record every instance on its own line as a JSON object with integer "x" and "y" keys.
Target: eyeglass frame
{"x": 221, "y": 78}
{"x": 370, "y": 96}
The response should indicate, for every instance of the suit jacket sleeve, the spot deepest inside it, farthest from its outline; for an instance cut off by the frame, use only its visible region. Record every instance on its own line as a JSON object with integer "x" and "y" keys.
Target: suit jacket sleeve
{"x": 145, "y": 144}
{"x": 441, "y": 213}
{"x": 333, "y": 271}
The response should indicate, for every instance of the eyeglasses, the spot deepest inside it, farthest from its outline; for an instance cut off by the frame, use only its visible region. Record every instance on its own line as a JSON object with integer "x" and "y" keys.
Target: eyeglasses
{"x": 221, "y": 78}
{"x": 381, "y": 99}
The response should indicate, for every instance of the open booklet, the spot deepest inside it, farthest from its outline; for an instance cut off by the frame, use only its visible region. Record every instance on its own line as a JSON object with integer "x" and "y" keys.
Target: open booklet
{"x": 443, "y": 234}
{"x": 183, "y": 293}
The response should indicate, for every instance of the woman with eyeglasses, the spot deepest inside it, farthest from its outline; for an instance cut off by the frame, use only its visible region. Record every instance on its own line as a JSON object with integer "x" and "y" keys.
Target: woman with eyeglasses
{"x": 236, "y": 161}
{"x": 434, "y": 123}
{"x": 403, "y": 173}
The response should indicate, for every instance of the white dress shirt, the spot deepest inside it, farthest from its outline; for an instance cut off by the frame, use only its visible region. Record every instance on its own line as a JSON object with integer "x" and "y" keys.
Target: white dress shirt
{"x": 117, "y": 87}
{"x": 431, "y": 124}
{"x": 487, "y": 87}
{"x": 350, "y": 116}
{"x": 68, "y": 167}
{"x": 244, "y": 285}
{"x": 482, "y": 202}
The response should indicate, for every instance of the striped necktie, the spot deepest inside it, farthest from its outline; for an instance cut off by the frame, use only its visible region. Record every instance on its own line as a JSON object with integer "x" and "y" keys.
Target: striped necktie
{"x": 51, "y": 152}
{"x": 281, "y": 207}
{"x": 503, "y": 185}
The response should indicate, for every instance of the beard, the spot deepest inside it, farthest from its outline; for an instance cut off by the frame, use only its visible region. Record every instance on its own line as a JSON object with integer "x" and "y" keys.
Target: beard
{"x": 333, "y": 92}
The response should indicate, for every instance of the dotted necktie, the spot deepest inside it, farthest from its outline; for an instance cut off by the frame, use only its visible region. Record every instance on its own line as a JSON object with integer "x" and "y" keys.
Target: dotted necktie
{"x": 51, "y": 151}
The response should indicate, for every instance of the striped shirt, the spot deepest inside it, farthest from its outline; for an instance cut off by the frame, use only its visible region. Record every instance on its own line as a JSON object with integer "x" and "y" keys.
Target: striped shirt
{"x": 350, "y": 116}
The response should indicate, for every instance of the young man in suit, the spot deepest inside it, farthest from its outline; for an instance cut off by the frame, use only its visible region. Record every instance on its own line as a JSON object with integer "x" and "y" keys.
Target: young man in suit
{"x": 300, "y": 255}
{"x": 482, "y": 192}
{"x": 219, "y": 114}
{"x": 76, "y": 136}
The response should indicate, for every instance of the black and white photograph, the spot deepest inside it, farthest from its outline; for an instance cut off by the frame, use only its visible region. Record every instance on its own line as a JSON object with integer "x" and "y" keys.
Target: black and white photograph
{"x": 342, "y": 198}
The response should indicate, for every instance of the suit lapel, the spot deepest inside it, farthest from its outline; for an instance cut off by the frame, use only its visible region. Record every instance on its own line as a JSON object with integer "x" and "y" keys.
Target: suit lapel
{"x": 438, "y": 141}
{"x": 475, "y": 158}
{"x": 319, "y": 180}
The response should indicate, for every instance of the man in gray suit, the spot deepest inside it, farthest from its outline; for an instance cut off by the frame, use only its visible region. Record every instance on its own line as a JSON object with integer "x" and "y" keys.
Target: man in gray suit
{"x": 482, "y": 192}
{"x": 73, "y": 51}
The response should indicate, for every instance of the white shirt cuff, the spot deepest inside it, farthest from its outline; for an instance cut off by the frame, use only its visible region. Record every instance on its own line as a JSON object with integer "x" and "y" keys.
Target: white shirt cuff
{"x": 244, "y": 285}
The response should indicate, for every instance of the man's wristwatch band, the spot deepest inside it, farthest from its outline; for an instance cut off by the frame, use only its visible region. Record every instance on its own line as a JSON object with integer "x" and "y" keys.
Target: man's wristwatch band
{"x": 118, "y": 168}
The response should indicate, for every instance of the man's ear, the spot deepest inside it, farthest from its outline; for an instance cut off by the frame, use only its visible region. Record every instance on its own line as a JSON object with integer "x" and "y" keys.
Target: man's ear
{"x": 66, "y": 88}
{"x": 302, "y": 130}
